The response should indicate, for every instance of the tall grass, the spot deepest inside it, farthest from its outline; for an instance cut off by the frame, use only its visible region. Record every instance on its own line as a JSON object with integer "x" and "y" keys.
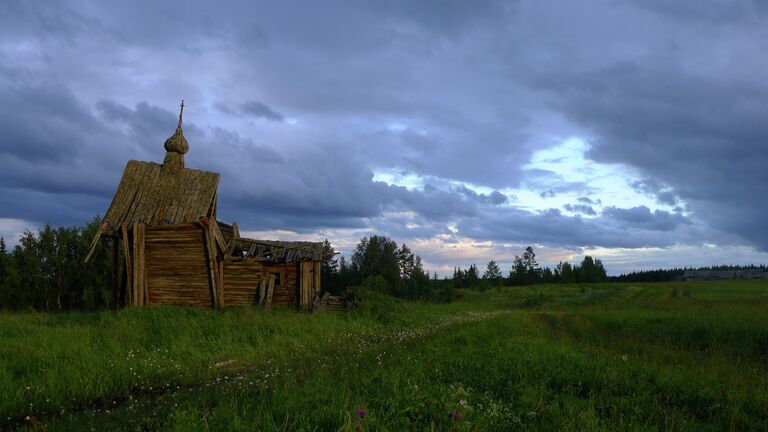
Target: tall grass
{"x": 578, "y": 357}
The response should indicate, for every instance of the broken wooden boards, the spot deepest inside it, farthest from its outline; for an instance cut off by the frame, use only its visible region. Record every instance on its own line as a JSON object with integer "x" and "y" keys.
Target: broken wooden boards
{"x": 189, "y": 265}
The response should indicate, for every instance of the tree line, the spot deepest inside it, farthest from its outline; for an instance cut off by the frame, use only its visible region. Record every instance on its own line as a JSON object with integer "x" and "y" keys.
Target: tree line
{"x": 46, "y": 272}
{"x": 527, "y": 271}
{"x": 667, "y": 275}
{"x": 379, "y": 264}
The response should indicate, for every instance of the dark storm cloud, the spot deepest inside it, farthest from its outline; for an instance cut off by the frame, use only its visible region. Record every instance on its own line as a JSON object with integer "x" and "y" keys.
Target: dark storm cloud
{"x": 666, "y": 197}
{"x": 588, "y": 200}
{"x": 258, "y": 109}
{"x": 45, "y": 207}
{"x": 704, "y": 137}
{"x": 310, "y": 188}
{"x": 448, "y": 17}
{"x": 55, "y": 155}
{"x": 643, "y": 217}
{"x": 623, "y": 228}
{"x": 709, "y": 11}
{"x": 493, "y": 198}
{"x": 654, "y": 188}
{"x": 550, "y": 184}
{"x": 42, "y": 122}
{"x": 146, "y": 125}
{"x": 580, "y": 208}
{"x": 252, "y": 108}
{"x": 37, "y": 20}
{"x": 460, "y": 92}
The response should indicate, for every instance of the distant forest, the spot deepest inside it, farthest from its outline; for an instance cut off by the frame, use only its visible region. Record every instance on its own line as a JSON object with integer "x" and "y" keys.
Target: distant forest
{"x": 666, "y": 275}
{"x": 46, "y": 272}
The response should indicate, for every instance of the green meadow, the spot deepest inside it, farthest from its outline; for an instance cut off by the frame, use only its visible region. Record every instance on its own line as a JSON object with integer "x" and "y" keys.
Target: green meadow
{"x": 643, "y": 357}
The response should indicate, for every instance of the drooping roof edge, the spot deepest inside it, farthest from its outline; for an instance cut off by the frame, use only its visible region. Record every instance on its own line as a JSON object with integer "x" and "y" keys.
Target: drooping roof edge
{"x": 246, "y": 249}
{"x": 275, "y": 251}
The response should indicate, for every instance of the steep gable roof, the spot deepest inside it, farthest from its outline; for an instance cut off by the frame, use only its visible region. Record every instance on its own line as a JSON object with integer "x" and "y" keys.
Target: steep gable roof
{"x": 151, "y": 194}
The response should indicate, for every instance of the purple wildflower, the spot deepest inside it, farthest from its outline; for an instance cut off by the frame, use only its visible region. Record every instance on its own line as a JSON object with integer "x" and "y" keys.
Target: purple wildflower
{"x": 361, "y": 413}
{"x": 456, "y": 416}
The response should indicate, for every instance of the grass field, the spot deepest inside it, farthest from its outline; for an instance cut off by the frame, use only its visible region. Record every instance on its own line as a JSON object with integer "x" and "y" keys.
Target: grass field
{"x": 670, "y": 356}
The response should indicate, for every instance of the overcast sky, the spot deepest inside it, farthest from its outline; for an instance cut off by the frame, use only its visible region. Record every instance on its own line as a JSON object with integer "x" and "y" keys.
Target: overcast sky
{"x": 636, "y": 131}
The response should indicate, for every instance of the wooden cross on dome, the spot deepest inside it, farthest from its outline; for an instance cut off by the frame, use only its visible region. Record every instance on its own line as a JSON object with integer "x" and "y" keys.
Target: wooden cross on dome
{"x": 181, "y": 112}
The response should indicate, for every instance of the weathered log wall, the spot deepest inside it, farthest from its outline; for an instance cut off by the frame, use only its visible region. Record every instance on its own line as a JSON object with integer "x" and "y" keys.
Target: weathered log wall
{"x": 177, "y": 272}
{"x": 243, "y": 278}
{"x": 310, "y": 282}
{"x": 139, "y": 292}
{"x": 175, "y": 264}
{"x": 286, "y": 295}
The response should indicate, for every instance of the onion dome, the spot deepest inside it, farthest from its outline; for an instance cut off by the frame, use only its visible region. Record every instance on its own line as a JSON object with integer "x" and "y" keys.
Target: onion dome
{"x": 176, "y": 143}
{"x": 175, "y": 148}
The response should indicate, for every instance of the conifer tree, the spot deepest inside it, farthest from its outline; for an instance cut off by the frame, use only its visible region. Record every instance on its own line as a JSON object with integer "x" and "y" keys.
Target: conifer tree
{"x": 493, "y": 274}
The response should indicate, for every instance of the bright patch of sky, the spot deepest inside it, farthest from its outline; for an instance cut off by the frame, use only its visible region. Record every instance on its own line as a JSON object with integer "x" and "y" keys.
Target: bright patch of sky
{"x": 553, "y": 178}
{"x": 398, "y": 177}
{"x": 12, "y": 229}
{"x": 562, "y": 174}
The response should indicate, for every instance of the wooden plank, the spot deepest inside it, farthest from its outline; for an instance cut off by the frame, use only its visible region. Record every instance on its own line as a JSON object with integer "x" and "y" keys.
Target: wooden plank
{"x": 128, "y": 262}
{"x": 139, "y": 275}
{"x": 235, "y": 231}
{"x": 300, "y": 289}
{"x": 115, "y": 268}
{"x": 221, "y": 283}
{"x": 262, "y": 291}
{"x": 214, "y": 226}
{"x": 305, "y": 283}
{"x": 123, "y": 286}
{"x": 212, "y": 229}
{"x": 296, "y": 284}
{"x": 215, "y": 264}
{"x": 211, "y": 263}
{"x": 270, "y": 290}
{"x": 174, "y": 227}
{"x": 212, "y": 209}
{"x": 310, "y": 285}
{"x": 317, "y": 271}
{"x": 95, "y": 242}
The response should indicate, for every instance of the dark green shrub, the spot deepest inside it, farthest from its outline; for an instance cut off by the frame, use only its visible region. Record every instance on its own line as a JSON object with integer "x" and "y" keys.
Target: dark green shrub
{"x": 370, "y": 299}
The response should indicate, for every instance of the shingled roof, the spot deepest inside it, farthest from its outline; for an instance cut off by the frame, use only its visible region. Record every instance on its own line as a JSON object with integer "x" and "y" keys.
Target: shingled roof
{"x": 150, "y": 193}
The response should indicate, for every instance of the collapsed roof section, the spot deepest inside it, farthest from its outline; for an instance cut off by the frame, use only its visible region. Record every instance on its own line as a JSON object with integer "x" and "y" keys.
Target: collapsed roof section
{"x": 274, "y": 251}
